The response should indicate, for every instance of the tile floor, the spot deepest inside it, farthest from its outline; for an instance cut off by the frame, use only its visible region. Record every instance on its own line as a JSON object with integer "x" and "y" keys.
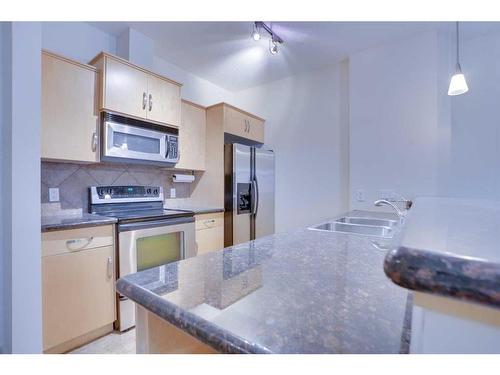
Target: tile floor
{"x": 114, "y": 343}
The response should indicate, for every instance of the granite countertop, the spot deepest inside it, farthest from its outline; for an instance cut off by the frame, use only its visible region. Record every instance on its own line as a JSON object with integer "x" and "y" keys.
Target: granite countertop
{"x": 62, "y": 221}
{"x": 297, "y": 292}
{"x": 450, "y": 247}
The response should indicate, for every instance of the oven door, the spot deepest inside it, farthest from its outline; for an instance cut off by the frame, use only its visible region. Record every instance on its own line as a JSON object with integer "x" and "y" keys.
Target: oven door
{"x": 148, "y": 244}
{"x": 130, "y": 143}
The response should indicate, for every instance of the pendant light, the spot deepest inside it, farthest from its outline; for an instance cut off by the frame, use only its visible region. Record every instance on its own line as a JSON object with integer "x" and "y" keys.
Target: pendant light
{"x": 458, "y": 85}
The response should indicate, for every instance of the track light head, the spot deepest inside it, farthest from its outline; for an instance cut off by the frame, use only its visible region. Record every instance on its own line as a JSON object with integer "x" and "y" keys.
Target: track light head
{"x": 273, "y": 46}
{"x": 256, "y": 32}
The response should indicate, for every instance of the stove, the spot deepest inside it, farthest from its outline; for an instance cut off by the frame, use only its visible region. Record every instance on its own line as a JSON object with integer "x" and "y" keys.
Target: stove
{"x": 147, "y": 234}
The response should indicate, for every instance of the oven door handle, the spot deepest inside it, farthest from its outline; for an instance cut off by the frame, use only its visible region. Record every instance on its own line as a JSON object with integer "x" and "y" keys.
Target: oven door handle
{"x": 154, "y": 223}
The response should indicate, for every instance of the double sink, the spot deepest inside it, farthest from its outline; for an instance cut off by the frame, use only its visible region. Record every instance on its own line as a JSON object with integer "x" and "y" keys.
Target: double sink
{"x": 365, "y": 226}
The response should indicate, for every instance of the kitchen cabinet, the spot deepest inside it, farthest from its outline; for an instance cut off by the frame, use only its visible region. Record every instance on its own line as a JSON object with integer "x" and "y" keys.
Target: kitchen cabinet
{"x": 192, "y": 137}
{"x": 130, "y": 90}
{"x": 243, "y": 124}
{"x": 69, "y": 126}
{"x": 78, "y": 293}
{"x": 209, "y": 232}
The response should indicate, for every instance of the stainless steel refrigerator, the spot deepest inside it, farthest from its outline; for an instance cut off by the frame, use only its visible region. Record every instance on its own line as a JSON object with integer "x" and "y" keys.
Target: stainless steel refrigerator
{"x": 248, "y": 193}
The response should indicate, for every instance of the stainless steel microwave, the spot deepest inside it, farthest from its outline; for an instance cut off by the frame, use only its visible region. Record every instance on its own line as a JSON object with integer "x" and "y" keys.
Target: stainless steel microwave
{"x": 134, "y": 141}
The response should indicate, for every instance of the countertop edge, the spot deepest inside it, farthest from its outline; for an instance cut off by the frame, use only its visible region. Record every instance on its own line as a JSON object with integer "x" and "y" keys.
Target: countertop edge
{"x": 216, "y": 337}
{"x": 75, "y": 225}
{"x": 445, "y": 274}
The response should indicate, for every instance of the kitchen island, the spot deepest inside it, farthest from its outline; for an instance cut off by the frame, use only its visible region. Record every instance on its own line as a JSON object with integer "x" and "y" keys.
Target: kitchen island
{"x": 297, "y": 292}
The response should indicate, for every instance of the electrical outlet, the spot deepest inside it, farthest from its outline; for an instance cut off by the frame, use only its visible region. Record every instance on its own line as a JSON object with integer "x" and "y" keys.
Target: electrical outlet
{"x": 360, "y": 195}
{"x": 172, "y": 192}
{"x": 53, "y": 194}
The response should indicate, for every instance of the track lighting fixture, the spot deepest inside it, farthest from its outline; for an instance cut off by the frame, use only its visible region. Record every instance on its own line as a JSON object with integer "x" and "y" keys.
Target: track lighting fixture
{"x": 274, "y": 39}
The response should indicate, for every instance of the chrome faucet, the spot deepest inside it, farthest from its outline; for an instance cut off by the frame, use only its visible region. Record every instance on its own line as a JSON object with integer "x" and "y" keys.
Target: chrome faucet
{"x": 384, "y": 202}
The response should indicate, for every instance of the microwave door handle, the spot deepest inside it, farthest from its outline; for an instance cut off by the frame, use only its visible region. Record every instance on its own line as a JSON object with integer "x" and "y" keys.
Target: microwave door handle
{"x": 167, "y": 147}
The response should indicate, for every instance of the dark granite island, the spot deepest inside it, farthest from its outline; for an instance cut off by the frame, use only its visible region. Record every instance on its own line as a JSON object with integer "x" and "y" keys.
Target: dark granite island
{"x": 297, "y": 292}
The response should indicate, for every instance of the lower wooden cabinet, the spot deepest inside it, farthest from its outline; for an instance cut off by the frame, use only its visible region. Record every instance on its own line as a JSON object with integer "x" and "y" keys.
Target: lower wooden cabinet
{"x": 78, "y": 286}
{"x": 209, "y": 232}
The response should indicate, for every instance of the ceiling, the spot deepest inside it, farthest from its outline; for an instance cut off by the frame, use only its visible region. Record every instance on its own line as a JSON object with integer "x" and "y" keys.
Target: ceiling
{"x": 224, "y": 54}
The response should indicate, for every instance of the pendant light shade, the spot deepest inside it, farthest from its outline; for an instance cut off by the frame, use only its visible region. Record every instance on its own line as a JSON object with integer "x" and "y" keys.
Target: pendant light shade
{"x": 458, "y": 84}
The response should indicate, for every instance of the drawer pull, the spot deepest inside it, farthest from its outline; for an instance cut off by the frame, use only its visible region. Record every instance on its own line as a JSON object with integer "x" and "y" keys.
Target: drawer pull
{"x": 208, "y": 222}
{"x": 110, "y": 267}
{"x": 79, "y": 243}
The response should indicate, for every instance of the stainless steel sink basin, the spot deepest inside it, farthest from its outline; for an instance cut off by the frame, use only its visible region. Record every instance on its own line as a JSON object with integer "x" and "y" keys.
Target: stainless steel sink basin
{"x": 364, "y": 226}
{"x": 367, "y": 221}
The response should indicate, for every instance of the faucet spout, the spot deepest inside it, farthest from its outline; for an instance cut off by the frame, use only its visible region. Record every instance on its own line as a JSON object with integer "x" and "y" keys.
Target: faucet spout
{"x": 384, "y": 202}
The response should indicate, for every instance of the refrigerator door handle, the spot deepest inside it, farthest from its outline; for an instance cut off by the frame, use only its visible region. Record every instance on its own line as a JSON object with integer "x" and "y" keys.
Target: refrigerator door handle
{"x": 255, "y": 197}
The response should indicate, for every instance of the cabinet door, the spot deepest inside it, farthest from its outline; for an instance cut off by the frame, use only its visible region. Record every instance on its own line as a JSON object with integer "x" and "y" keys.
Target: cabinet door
{"x": 243, "y": 125}
{"x": 255, "y": 130}
{"x": 209, "y": 240}
{"x": 125, "y": 88}
{"x": 209, "y": 232}
{"x": 164, "y": 101}
{"x": 69, "y": 118}
{"x": 192, "y": 137}
{"x": 235, "y": 122}
{"x": 78, "y": 294}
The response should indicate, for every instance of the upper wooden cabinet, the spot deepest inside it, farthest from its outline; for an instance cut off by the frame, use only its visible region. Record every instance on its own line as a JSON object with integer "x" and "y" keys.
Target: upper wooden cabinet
{"x": 130, "y": 90}
{"x": 192, "y": 137}
{"x": 69, "y": 116}
{"x": 242, "y": 124}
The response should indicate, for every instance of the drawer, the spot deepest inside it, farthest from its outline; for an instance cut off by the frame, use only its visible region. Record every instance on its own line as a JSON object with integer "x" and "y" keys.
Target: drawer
{"x": 207, "y": 221}
{"x": 73, "y": 240}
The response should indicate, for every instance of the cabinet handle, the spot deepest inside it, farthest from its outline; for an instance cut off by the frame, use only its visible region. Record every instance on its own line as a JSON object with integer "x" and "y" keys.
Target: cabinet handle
{"x": 208, "y": 222}
{"x": 249, "y": 126}
{"x": 144, "y": 100}
{"x": 110, "y": 267}
{"x": 150, "y": 102}
{"x": 78, "y": 244}
{"x": 246, "y": 126}
{"x": 94, "y": 141}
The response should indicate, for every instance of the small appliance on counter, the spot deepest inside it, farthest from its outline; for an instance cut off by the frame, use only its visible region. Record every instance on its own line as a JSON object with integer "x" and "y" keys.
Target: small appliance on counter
{"x": 130, "y": 140}
{"x": 148, "y": 235}
{"x": 248, "y": 193}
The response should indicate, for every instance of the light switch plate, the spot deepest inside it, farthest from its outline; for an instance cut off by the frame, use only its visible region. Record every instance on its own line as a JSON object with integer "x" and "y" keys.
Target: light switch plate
{"x": 53, "y": 194}
{"x": 172, "y": 192}
{"x": 360, "y": 195}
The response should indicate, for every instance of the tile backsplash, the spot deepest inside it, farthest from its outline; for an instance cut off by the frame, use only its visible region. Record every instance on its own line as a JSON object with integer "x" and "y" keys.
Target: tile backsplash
{"x": 73, "y": 180}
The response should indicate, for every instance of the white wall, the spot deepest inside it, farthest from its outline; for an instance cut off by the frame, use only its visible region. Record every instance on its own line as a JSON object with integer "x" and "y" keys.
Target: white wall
{"x": 303, "y": 126}
{"x": 475, "y": 131}
{"x": 394, "y": 138}
{"x": 76, "y": 40}
{"x": 195, "y": 89}
{"x": 21, "y": 75}
{"x": 4, "y": 52}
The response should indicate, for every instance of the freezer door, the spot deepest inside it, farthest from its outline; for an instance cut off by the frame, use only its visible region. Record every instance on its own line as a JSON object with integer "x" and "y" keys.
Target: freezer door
{"x": 241, "y": 193}
{"x": 264, "y": 184}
